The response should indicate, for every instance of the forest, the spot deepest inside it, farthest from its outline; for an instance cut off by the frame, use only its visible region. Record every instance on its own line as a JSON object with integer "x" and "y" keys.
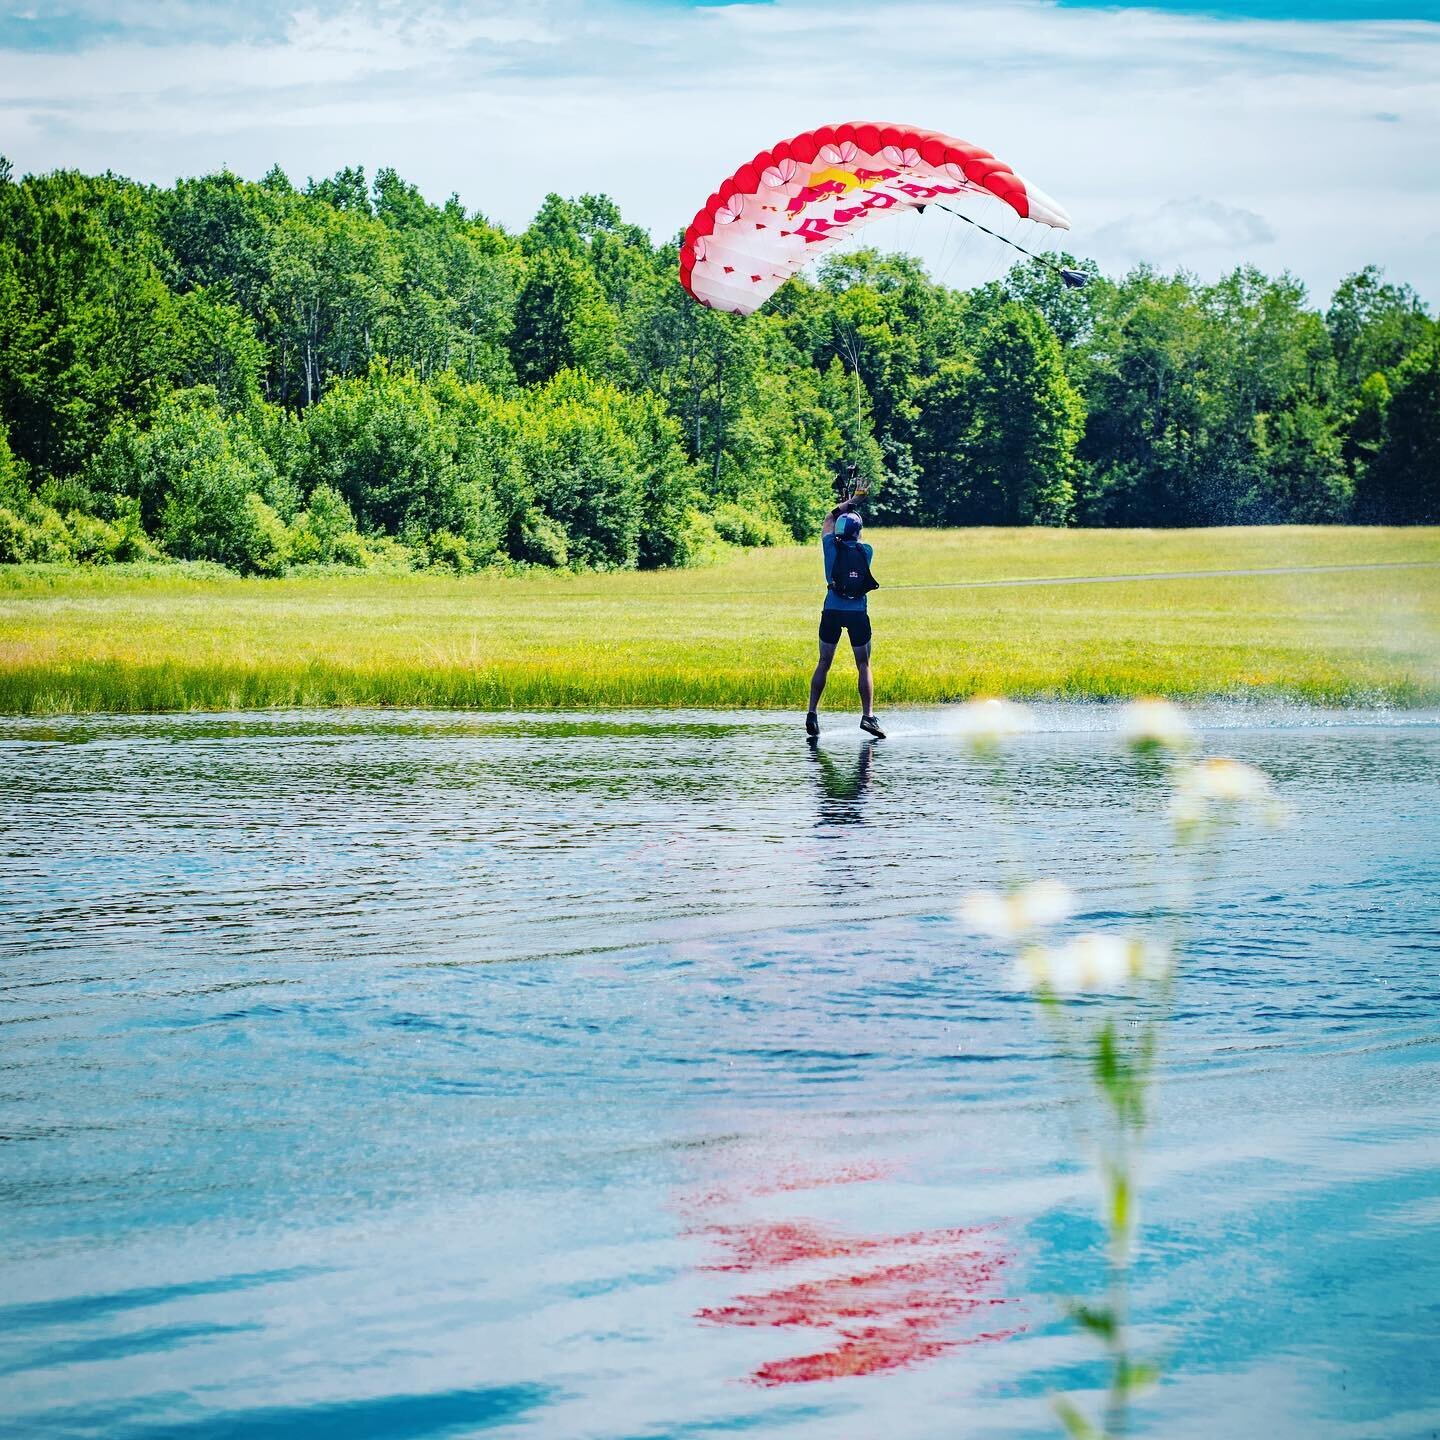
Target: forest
{"x": 272, "y": 378}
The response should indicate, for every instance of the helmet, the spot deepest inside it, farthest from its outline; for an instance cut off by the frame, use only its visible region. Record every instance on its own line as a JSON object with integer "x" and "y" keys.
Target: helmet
{"x": 847, "y": 527}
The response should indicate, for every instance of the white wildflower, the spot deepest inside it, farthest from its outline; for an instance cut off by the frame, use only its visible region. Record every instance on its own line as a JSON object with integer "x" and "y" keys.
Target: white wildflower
{"x": 1149, "y": 725}
{"x": 1219, "y": 789}
{"x": 1007, "y": 917}
{"x": 1188, "y": 812}
{"x": 1092, "y": 962}
{"x": 1047, "y": 902}
{"x": 988, "y": 912}
{"x": 1227, "y": 782}
{"x": 984, "y": 725}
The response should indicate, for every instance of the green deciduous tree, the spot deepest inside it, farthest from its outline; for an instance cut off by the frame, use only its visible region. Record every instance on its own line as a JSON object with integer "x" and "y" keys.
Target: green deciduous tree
{"x": 381, "y": 442}
{"x": 563, "y": 321}
{"x": 205, "y": 488}
{"x": 1149, "y": 418}
{"x": 1298, "y": 469}
{"x": 1373, "y": 325}
{"x": 324, "y": 533}
{"x": 586, "y": 467}
{"x": 1401, "y": 485}
{"x": 1000, "y": 430}
{"x": 86, "y": 319}
{"x": 215, "y": 344}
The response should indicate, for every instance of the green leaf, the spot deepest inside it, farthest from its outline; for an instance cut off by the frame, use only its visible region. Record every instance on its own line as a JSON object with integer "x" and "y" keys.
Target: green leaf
{"x": 1120, "y": 1080}
{"x": 1098, "y": 1320}
{"x": 1074, "y": 1422}
{"x": 1137, "y": 1375}
{"x": 1121, "y": 1210}
{"x": 1110, "y": 1070}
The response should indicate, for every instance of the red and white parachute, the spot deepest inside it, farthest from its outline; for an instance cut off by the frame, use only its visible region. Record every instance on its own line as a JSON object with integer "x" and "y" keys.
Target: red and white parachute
{"x": 793, "y": 202}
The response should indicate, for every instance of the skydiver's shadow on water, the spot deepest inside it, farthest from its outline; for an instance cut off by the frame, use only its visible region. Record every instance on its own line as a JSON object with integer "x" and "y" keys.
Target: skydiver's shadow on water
{"x": 842, "y": 786}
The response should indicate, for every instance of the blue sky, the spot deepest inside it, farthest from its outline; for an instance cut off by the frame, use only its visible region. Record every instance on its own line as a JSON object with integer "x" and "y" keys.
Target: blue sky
{"x": 1290, "y": 9}
{"x": 1298, "y": 136}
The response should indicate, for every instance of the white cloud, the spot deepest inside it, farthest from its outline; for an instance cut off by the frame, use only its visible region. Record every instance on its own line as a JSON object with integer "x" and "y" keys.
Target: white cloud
{"x": 1182, "y": 231}
{"x": 1205, "y": 135}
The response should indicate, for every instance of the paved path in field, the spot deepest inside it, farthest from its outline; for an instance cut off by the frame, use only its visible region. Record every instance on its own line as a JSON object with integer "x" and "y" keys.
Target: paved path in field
{"x": 1017, "y": 581}
{"x": 1167, "y": 575}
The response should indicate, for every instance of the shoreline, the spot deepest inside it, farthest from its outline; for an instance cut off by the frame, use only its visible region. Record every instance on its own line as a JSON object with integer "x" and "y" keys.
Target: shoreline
{"x": 1051, "y": 717}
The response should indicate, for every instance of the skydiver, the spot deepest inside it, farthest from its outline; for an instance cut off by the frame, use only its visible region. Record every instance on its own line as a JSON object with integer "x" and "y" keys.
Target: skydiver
{"x": 848, "y": 581}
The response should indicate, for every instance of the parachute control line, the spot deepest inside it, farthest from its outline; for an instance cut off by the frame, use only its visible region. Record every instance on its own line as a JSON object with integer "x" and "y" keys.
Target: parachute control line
{"x": 1074, "y": 279}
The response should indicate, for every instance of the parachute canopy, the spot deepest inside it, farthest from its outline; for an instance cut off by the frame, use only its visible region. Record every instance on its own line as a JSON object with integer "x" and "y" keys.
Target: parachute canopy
{"x": 791, "y": 203}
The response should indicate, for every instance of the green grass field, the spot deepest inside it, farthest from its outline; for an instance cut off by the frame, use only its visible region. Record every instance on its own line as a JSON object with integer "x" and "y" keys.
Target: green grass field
{"x": 742, "y": 633}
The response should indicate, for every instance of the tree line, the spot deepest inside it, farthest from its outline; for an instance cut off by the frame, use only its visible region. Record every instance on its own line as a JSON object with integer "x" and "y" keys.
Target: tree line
{"x": 269, "y": 376}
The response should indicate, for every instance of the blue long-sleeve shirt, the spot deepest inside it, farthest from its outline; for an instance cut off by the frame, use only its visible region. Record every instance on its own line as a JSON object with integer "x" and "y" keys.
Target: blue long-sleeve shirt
{"x": 832, "y": 600}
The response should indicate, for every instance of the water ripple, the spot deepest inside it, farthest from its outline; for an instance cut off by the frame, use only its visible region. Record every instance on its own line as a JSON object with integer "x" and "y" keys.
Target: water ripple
{"x": 442, "y": 1045}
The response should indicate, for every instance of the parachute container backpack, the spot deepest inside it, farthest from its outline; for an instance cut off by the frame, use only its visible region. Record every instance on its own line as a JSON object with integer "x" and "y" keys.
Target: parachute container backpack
{"x": 850, "y": 570}
{"x": 792, "y": 203}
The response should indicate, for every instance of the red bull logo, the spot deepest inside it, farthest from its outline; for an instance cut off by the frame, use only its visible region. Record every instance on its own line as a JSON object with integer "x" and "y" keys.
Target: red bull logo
{"x": 837, "y": 182}
{"x": 882, "y": 190}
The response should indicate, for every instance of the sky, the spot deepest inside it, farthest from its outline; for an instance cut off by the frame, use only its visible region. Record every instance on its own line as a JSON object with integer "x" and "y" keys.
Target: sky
{"x": 1294, "y": 136}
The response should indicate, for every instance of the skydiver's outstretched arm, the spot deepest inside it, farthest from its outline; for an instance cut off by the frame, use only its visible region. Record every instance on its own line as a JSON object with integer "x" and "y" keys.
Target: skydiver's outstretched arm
{"x": 828, "y": 528}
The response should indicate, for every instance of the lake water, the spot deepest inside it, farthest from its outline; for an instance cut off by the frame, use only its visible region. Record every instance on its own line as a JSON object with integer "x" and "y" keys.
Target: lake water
{"x": 428, "y": 1075}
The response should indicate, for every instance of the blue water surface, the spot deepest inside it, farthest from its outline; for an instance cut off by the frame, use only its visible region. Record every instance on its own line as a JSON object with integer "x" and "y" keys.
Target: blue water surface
{"x": 407, "y": 1075}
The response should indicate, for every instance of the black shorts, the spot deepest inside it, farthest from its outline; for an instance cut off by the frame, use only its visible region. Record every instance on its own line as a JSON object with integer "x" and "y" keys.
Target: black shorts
{"x": 857, "y": 622}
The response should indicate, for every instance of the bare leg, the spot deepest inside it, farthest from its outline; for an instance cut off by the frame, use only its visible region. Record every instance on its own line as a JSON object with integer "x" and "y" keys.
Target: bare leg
{"x": 822, "y": 669}
{"x": 864, "y": 679}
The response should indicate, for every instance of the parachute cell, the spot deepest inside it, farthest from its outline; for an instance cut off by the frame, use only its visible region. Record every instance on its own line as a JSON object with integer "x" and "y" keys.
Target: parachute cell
{"x": 793, "y": 202}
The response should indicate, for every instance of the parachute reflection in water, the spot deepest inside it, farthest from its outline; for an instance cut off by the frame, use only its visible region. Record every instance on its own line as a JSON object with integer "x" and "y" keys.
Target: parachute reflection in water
{"x": 790, "y": 204}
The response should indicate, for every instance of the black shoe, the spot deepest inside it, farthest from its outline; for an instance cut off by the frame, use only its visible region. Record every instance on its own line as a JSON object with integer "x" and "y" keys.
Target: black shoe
{"x": 812, "y": 724}
{"x": 871, "y": 726}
